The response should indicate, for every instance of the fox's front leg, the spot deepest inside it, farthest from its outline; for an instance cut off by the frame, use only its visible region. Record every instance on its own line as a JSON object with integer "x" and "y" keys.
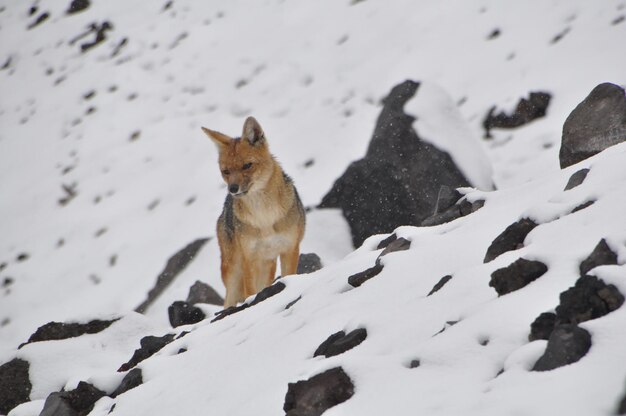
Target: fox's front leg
{"x": 289, "y": 260}
{"x": 260, "y": 274}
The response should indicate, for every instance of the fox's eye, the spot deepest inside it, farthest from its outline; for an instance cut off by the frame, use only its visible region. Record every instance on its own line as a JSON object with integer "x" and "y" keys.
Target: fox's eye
{"x": 247, "y": 166}
{"x": 226, "y": 172}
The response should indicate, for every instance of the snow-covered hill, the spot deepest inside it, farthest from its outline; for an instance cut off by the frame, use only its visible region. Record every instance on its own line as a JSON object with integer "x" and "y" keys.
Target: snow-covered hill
{"x": 105, "y": 174}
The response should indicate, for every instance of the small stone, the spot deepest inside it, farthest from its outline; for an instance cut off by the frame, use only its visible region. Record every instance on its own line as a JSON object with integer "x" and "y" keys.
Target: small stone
{"x": 183, "y": 313}
{"x": 150, "y": 345}
{"x": 309, "y": 263}
{"x": 200, "y": 292}
{"x": 440, "y": 284}
{"x": 340, "y": 342}
{"x": 542, "y": 327}
{"x": 358, "y": 279}
{"x": 576, "y": 179}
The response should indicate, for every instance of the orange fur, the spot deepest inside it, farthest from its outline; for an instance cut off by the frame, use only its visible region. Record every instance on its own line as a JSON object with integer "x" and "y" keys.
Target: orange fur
{"x": 263, "y": 217}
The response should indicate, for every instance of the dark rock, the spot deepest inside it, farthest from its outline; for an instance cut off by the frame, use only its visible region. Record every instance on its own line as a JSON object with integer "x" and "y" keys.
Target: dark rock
{"x": 461, "y": 209}
{"x": 314, "y": 396}
{"x": 385, "y": 242}
{"x": 150, "y": 345}
{"x": 64, "y": 330}
{"x": 567, "y": 344}
{"x": 512, "y": 238}
{"x": 264, "y": 294}
{"x": 399, "y": 244}
{"x": 597, "y": 123}
{"x": 200, "y": 292}
{"x": 414, "y": 363}
{"x": 309, "y": 263}
{"x": 621, "y": 409}
{"x": 77, "y": 402}
{"x": 398, "y": 180}
{"x": 583, "y": 206}
{"x": 440, "y": 284}
{"x": 78, "y": 6}
{"x": 183, "y": 313}
{"x": 516, "y": 275}
{"x": 589, "y": 298}
{"x": 358, "y": 279}
{"x": 56, "y": 405}
{"x": 340, "y": 342}
{"x": 601, "y": 255}
{"x": 40, "y": 19}
{"x": 542, "y": 327}
{"x": 293, "y": 302}
{"x": 268, "y": 292}
{"x": 131, "y": 380}
{"x": 175, "y": 265}
{"x": 100, "y": 32}
{"x": 446, "y": 198}
{"x": 526, "y": 111}
{"x": 15, "y": 385}
{"x": 576, "y": 179}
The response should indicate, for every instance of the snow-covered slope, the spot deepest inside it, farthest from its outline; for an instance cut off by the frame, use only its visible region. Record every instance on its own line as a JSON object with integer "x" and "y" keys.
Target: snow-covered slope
{"x": 104, "y": 174}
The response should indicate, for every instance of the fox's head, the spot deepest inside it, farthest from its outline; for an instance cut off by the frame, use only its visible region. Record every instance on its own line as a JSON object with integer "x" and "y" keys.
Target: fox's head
{"x": 246, "y": 163}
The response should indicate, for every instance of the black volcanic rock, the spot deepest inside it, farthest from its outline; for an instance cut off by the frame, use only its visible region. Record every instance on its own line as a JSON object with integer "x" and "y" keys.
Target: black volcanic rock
{"x": 77, "y": 402}
{"x": 440, "y": 284}
{"x": 576, "y": 179}
{"x": 542, "y": 327}
{"x": 309, "y": 263}
{"x": 64, "y": 330}
{"x": 78, "y": 6}
{"x": 200, "y": 292}
{"x": 264, "y": 294}
{"x": 597, "y": 123}
{"x": 15, "y": 384}
{"x": 458, "y": 210}
{"x": 340, "y": 342}
{"x": 398, "y": 180}
{"x": 516, "y": 275}
{"x": 150, "y": 345}
{"x": 358, "y": 279}
{"x": 131, "y": 380}
{"x": 589, "y": 298}
{"x": 567, "y": 344}
{"x": 526, "y": 111}
{"x": 601, "y": 255}
{"x": 314, "y": 396}
{"x": 510, "y": 239}
{"x": 183, "y": 313}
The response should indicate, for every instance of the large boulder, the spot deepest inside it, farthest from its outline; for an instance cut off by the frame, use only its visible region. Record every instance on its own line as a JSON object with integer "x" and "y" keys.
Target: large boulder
{"x": 399, "y": 179}
{"x": 15, "y": 384}
{"x": 598, "y": 122}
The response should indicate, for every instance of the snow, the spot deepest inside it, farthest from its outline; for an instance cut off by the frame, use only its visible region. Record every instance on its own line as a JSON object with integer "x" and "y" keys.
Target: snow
{"x": 313, "y": 74}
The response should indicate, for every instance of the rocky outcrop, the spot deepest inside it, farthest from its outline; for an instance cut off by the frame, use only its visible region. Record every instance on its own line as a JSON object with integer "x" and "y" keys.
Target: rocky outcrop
{"x": 597, "y": 123}
{"x": 398, "y": 180}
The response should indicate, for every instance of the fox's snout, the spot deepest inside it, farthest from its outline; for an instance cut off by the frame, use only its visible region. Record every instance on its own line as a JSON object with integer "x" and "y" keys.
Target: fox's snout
{"x": 233, "y": 188}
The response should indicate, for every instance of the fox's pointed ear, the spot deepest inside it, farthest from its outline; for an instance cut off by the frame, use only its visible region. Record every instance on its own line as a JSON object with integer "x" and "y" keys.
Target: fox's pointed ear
{"x": 218, "y": 138}
{"x": 252, "y": 132}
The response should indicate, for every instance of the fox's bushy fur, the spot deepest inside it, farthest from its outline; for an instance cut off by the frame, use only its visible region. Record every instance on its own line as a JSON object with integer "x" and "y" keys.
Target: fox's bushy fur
{"x": 263, "y": 217}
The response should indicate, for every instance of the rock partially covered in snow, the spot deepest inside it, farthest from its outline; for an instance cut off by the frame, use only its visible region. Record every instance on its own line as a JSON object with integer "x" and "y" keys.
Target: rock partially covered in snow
{"x": 314, "y": 396}
{"x": 516, "y": 275}
{"x": 64, "y": 330}
{"x": 526, "y": 111}
{"x": 77, "y": 402}
{"x": 567, "y": 344}
{"x": 15, "y": 385}
{"x": 601, "y": 255}
{"x": 598, "y": 122}
{"x": 420, "y": 144}
{"x": 340, "y": 342}
{"x": 512, "y": 238}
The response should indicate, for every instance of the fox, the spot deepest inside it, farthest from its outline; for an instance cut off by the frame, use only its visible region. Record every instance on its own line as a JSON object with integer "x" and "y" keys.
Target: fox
{"x": 262, "y": 219}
